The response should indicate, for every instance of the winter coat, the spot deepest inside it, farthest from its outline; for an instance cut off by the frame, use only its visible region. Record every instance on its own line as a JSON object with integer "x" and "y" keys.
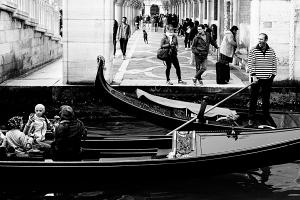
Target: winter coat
{"x": 165, "y": 43}
{"x": 67, "y": 140}
{"x": 127, "y": 31}
{"x": 228, "y": 44}
{"x": 201, "y": 47}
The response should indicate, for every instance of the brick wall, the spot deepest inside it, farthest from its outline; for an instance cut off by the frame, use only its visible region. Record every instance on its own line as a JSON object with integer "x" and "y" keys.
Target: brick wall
{"x": 22, "y": 48}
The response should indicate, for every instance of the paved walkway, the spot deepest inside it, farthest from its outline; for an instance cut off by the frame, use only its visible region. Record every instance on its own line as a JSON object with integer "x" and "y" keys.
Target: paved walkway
{"x": 141, "y": 68}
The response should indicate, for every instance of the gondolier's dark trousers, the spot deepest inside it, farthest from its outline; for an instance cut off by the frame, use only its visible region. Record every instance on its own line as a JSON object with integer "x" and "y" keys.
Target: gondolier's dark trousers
{"x": 265, "y": 85}
{"x": 123, "y": 45}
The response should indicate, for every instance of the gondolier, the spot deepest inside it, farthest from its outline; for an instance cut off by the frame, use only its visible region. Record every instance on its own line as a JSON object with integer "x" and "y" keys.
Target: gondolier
{"x": 262, "y": 65}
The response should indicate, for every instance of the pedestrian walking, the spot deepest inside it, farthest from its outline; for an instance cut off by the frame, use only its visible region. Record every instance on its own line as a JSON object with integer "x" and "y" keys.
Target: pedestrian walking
{"x": 187, "y": 42}
{"x": 145, "y": 35}
{"x": 115, "y": 30}
{"x": 170, "y": 41}
{"x": 228, "y": 47}
{"x": 262, "y": 65}
{"x": 200, "y": 47}
{"x": 193, "y": 33}
{"x": 124, "y": 34}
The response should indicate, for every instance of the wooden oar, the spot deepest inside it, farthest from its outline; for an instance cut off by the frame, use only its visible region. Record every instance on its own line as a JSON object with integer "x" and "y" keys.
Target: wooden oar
{"x": 217, "y": 104}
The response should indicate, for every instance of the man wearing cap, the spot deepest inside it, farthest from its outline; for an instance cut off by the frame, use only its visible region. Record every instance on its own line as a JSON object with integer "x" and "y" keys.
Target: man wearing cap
{"x": 67, "y": 136}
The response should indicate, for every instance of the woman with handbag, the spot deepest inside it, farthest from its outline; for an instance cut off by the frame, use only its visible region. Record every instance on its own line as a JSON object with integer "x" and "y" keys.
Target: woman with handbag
{"x": 169, "y": 41}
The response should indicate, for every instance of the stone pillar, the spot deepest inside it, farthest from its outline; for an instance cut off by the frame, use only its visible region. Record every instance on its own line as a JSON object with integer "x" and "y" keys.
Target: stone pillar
{"x": 296, "y": 67}
{"x": 220, "y": 22}
{"x": 254, "y": 22}
{"x": 235, "y": 15}
{"x": 293, "y": 16}
{"x": 118, "y": 12}
{"x": 180, "y": 11}
{"x": 188, "y": 8}
{"x": 209, "y": 7}
{"x": 87, "y": 33}
{"x": 147, "y": 7}
{"x": 201, "y": 11}
{"x": 193, "y": 10}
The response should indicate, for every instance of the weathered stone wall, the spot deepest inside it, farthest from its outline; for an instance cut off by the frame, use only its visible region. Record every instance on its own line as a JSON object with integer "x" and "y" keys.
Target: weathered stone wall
{"x": 22, "y": 48}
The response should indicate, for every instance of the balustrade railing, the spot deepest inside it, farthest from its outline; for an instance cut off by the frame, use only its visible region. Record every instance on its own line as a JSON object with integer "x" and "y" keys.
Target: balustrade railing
{"x": 41, "y": 14}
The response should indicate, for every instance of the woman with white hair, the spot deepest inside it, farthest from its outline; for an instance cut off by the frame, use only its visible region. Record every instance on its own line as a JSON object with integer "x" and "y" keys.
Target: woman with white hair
{"x": 37, "y": 124}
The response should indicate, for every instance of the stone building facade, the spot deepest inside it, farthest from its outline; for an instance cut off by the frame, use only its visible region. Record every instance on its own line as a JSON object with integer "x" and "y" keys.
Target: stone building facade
{"x": 29, "y": 36}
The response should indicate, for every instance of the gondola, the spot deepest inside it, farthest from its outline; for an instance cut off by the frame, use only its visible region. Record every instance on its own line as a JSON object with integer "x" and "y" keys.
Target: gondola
{"x": 173, "y": 113}
{"x": 137, "y": 159}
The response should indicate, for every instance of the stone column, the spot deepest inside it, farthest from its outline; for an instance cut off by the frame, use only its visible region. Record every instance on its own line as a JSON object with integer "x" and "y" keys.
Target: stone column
{"x": 235, "y": 14}
{"x": 181, "y": 10}
{"x": 147, "y": 7}
{"x": 118, "y": 11}
{"x": 188, "y": 8}
{"x": 201, "y": 11}
{"x": 293, "y": 16}
{"x": 254, "y": 21}
{"x": 220, "y": 22}
{"x": 87, "y": 33}
{"x": 296, "y": 67}
{"x": 193, "y": 10}
{"x": 209, "y": 3}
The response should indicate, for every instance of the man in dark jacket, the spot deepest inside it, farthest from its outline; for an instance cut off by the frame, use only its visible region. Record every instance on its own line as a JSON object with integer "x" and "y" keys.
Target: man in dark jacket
{"x": 67, "y": 137}
{"x": 124, "y": 33}
{"x": 200, "y": 47}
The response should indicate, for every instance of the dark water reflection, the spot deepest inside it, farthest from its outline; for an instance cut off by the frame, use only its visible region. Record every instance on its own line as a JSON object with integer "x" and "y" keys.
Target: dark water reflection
{"x": 282, "y": 183}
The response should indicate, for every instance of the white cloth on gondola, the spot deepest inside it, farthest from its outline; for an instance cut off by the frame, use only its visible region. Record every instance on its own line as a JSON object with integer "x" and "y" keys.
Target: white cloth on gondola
{"x": 193, "y": 107}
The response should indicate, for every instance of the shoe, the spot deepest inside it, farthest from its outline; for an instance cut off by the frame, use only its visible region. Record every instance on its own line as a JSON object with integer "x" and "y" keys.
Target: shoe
{"x": 185, "y": 48}
{"x": 169, "y": 83}
{"x": 200, "y": 82}
{"x": 194, "y": 81}
{"x": 181, "y": 82}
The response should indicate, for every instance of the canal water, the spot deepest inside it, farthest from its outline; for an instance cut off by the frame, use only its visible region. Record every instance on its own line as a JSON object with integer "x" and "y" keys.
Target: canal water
{"x": 282, "y": 183}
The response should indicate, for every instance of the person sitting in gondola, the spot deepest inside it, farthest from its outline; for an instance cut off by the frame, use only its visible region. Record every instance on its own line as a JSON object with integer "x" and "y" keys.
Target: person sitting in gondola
{"x": 15, "y": 140}
{"x": 38, "y": 124}
{"x": 67, "y": 136}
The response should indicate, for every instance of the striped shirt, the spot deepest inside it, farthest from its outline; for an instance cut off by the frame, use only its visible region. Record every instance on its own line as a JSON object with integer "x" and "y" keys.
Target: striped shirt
{"x": 262, "y": 64}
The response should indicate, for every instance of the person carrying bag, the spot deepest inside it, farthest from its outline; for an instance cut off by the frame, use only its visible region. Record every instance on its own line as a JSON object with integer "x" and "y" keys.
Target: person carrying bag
{"x": 164, "y": 54}
{"x": 168, "y": 46}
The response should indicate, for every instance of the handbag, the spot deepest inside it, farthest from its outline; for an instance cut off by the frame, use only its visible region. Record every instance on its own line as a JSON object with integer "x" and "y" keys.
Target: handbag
{"x": 163, "y": 54}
